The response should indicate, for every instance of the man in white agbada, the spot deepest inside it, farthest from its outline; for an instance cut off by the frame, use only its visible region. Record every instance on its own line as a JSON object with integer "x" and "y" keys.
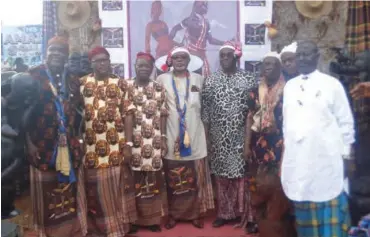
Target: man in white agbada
{"x": 189, "y": 189}
{"x": 318, "y": 132}
{"x": 288, "y": 61}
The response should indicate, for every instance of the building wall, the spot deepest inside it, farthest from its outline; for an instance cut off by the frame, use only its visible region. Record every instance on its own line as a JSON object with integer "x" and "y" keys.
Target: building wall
{"x": 327, "y": 31}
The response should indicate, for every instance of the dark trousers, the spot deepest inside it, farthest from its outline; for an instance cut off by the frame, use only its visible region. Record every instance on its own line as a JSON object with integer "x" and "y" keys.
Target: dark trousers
{"x": 8, "y": 194}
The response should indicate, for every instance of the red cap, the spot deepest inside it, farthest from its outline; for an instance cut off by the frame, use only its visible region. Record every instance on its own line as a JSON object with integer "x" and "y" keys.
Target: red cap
{"x": 146, "y": 56}
{"x": 98, "y": 50}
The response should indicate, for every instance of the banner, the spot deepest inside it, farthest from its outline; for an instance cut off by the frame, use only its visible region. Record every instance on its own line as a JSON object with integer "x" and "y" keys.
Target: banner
{"x": 202, "y": 26}
{"x": 197, "y": 25}
{"x": 113, "y": 15}
{"x": 256, "y": 44}
{"x": 24, "y": 42}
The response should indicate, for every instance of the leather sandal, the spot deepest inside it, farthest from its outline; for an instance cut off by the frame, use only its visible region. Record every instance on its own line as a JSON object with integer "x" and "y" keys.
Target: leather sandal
{"x": 198, "y": 223}
{"x": 171, "y": 223}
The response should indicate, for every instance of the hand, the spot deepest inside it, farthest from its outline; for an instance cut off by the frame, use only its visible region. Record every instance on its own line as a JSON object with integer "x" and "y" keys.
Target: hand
{"x": 247, "y": 153}
{"x": 82, "y": 147}
{"x": 361, "y": 90}
{"x": 33, "y": 152}
{"x": 208, "y": 143}
{"x": 127, "y": 154}
{"x": 164, "y": 147}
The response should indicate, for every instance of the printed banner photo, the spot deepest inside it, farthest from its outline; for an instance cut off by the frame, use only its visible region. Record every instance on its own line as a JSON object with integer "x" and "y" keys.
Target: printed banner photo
{"x": 113, "y": 15}
{"x": 256, "y": 44}
{"x": 197, "y": 25}
{"x": 24, "y": 42}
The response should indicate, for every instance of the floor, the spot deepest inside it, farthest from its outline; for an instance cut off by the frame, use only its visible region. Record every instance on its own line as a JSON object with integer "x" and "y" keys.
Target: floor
{"x": 187, "y": 230}
{"x": 181, "y": 229}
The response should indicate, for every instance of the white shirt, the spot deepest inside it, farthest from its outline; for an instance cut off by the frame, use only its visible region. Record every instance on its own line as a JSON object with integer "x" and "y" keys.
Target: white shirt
{"x": 318, "y": 130}
{"x": 194, "y": 123}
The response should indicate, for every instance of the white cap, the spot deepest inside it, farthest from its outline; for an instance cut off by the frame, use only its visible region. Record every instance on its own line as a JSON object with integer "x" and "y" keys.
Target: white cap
{"x": 179, "y": 50}
{"x": 289, "y": 48}
{"x": 227, "y": 46}
{"x": 272, "y": 54}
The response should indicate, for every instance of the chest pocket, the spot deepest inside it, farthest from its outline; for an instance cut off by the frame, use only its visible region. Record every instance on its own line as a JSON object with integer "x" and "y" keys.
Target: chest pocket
{"x": 194, "y": 99}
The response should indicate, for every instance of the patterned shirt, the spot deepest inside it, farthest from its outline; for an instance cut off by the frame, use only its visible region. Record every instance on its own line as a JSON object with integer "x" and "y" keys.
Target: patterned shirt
{"x": 104, "y": 136}
{"x": 150, "y": 105}
{"x": 225, "y": 103}
{"x": 44, "y": 117}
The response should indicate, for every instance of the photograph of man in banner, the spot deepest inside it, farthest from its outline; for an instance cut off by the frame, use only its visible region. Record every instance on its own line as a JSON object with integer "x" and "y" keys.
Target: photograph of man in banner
{"x": 196, "y": 25}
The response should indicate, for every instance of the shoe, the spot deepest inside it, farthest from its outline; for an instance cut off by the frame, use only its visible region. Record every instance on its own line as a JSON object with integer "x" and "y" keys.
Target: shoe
{"x": 251, "y": 228}
{"x": 219, "y": 222}
{"x": 155, "y": 228}
{"x": 199, "y": 223}
{"x": 171, "y": 223}
{"x": 133, "y": 229}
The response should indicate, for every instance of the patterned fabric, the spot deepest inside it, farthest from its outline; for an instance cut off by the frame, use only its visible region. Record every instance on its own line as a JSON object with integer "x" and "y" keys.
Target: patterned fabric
{"x": 197, "y": 46}
{"x": 358, "y": 40}
{"x": 363, "y": 228}
{"x": 267, "y": 146}
{"x": 104, "y": 126}
{"x": 151, "y": 197}
{"x": 190, "y": 193}
{"x": 358, "y": 26}
{"x": 264, "y": 119}
{"x": 108, "y": 182}
{"x": 268, "y": 199}
{"x": 150, "y": 106}
{"x": 54, "y": 203}
{"x": 55, "y": 206}
{"x": 272, "y": 208}
{"x": 225, "y": 103}
{"x": 44, "y": 133}
{"x": 110, "y": 200}
{"x": 194, "y": 124}
{"x": 324, "y": 219}
{"x": 49, "y": 22}
{"x": 231, "y": 195}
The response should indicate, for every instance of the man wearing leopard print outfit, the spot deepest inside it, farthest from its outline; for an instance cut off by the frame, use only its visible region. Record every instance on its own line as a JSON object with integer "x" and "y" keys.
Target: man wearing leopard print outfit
{"x": 225, "y": 104}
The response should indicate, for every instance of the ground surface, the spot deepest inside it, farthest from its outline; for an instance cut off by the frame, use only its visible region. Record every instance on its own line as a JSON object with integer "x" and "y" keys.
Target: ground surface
{"x": 181, "y": 229}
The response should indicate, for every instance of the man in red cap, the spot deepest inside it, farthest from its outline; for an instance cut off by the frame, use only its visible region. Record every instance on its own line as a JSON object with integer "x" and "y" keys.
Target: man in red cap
{"x": 54, "y": 149}
{"x": 190, "y": 193}
{"x": 146, "y": 133}
{"x": 108, "y": 181}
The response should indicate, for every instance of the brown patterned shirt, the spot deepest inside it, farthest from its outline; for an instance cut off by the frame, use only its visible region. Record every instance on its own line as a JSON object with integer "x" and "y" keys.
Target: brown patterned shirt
{"x": 150, "y": 105}
{"x": 104, "y": 136}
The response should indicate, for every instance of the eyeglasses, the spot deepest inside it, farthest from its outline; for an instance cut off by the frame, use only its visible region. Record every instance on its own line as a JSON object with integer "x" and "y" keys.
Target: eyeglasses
{"x": 99, "y": 61}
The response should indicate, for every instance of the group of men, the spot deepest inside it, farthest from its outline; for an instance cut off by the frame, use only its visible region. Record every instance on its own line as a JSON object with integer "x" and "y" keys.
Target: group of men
{"x": 110, "y": 155}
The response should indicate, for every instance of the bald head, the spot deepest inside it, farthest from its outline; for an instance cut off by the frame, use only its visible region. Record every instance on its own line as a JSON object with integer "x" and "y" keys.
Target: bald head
{"x": 307, "y": 56}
